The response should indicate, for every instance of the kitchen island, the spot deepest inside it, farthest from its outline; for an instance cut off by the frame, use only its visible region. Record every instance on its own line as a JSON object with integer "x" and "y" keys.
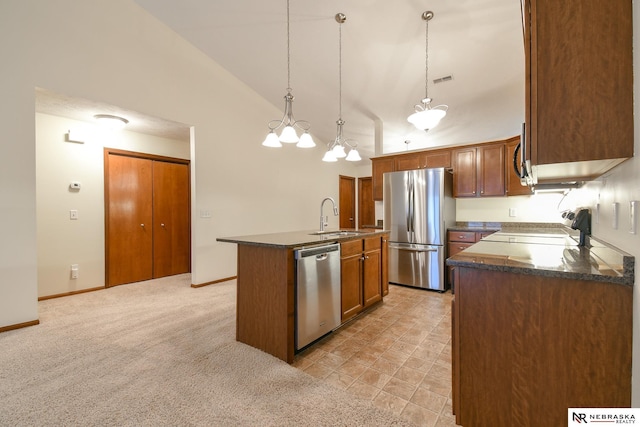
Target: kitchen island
{"x": 265, "y": 315}
{"x": 539, "y": 325}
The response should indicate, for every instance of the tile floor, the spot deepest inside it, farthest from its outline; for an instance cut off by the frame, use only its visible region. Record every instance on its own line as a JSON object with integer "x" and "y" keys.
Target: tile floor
{"x": 397, "y": 354}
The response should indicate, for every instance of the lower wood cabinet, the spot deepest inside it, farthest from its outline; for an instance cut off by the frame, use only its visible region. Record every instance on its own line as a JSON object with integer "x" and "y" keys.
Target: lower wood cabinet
{"x": 458, "y": 241}
{"x": 525, "y": 347}
{"x": 361, "y": 274}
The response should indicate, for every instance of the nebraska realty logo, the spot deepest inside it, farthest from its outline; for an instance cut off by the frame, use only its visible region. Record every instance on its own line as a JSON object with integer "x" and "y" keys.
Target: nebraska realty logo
{"x": 603, "y": 416}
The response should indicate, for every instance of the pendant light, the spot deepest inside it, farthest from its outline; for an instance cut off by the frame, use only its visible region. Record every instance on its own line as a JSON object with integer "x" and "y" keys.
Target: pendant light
{"x": 288, "y": 123}
{"x": 337, "y": 148}
{"x": 427, "y": 117}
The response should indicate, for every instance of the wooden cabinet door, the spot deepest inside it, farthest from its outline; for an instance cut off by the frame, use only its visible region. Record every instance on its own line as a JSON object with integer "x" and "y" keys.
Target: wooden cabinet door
{"x": 129, "y": 228}
{"x": 411, "y": 161}
{"x": 378, "y": 168}
{"x": 371, "y": 278}
{"x": 438, "y": 159}
{"x": 565, "y": 54}
{"x": 351, "y": 293}
{"x": 465, "y": 177}
{"x": 171, "y": 224}
{"x": 490, "y": 168}
{"x": 512, "y": 185}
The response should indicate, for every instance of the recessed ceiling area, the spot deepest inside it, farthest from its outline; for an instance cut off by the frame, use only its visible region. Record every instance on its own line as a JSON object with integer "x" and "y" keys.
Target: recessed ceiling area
{"x": 48, "y": 102}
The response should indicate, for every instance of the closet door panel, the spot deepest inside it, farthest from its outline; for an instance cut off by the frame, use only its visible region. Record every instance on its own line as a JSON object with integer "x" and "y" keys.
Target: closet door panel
{"x": 171, "y": 224}
{"x": 129, "y": 220}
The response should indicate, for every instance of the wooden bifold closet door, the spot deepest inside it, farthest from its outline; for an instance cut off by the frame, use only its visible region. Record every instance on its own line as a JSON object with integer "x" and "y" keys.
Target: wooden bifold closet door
{"x": 146, "y": 216}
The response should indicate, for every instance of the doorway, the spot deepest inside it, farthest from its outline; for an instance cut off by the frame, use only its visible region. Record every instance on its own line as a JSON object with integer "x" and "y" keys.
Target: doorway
{"x": 147, "y": 216}
{"x": 366, "y": 204}
{"x": 347, "y": 201}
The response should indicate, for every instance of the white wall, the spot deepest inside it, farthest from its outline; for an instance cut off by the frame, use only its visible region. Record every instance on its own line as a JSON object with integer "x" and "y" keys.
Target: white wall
{"x": 114, "y": 52}
{"x": 61, "y": 241}
{"x": 541, "y": 208}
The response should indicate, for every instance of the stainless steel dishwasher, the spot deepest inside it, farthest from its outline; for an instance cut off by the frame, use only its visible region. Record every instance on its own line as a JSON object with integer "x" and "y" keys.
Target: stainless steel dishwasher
{"x": 317, "y": 292}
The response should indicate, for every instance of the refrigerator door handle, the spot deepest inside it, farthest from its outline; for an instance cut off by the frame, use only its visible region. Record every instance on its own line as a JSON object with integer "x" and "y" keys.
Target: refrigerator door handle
{"x": 412, "y": 249}
{"x": 412, "y": 197}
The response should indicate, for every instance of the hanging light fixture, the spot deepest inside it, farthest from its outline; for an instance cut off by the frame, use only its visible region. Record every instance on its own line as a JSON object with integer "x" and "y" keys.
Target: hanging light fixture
{"x": 337, "y": 148}
{"x": 288, "y": 123}
{"x": 427, "y": 117}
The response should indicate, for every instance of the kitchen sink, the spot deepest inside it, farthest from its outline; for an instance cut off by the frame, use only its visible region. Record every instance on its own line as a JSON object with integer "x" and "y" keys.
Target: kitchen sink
{"x": 337, "y": 233}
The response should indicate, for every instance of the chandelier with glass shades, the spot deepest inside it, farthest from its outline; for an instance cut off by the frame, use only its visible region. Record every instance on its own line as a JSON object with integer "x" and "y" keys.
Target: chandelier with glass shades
{"x": 288, "y": 123}
{"x": 427, "y": 117}
{"x": 336, "y": 149}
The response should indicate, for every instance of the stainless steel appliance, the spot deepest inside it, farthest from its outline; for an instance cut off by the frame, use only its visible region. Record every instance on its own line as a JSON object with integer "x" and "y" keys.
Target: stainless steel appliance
{"x": 418, "y": 208}
{"x": 317, "y": 292}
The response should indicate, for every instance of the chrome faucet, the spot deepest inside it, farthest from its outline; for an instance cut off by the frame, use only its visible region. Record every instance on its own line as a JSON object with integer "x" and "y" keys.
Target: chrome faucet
{"x": 324, "y": 221}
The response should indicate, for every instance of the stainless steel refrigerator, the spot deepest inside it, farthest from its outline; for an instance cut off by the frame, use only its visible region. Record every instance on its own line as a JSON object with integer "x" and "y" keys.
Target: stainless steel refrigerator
{"x": 418, "y": 208}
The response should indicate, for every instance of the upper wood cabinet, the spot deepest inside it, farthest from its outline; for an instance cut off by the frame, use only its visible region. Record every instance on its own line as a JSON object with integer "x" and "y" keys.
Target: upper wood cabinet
{"x": 423, "y": 159}
{"x": 410, "y": 161}
{"x": 439, "y": 158}
{"x": 513, "y": 186}
{"x": 378, "y": 168}
{"x": 579, "y": 85}
{"x": 479, "y": 171}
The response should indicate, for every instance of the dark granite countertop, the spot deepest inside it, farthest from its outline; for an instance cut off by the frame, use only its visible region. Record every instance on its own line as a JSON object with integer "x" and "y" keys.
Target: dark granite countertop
{"x": 496, "y": 226}
{"x": 548, "y": 251}
{"x": 293, "y": 239}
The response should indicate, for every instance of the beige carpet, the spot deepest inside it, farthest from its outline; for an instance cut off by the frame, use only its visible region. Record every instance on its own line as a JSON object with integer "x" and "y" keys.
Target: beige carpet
{"x": 159, "y": 353}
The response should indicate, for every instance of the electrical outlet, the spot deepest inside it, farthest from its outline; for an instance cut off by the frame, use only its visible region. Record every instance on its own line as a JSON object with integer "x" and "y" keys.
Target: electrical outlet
{"x": 74, "y": 271}
{"x": 512, "y": 212}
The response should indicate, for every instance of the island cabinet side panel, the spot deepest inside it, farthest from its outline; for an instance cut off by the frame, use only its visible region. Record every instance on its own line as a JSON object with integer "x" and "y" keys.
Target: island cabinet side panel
{"x": 265, "y": 300}
{"x": 529, "y": 347}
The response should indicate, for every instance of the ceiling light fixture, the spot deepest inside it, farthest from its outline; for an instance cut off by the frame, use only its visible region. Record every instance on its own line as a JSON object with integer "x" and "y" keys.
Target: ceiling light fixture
{"x": 111, "y": 122}
{"x": 427, "y": 117}
{"x": 336, "y": 148}
{"x": 288, "y": 123}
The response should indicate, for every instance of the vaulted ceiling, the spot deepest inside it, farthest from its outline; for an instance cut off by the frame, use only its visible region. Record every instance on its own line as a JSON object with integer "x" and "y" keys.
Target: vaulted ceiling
{"x": 476, "y": 42}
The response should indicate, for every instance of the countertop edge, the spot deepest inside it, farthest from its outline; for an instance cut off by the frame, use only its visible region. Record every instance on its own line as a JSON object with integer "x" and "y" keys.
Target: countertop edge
{"x": 619, "y": 280}
{"x": 307, "y": 238}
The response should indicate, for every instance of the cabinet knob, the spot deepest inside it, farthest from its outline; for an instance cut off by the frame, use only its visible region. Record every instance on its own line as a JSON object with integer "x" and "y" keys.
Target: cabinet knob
{"x": 161, "y": 225}
{"x": 141, "y": 225}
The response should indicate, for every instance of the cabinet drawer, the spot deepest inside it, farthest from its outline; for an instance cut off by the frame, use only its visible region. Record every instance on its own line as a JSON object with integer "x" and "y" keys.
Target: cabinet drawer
{"x": 462, "y": 236}
{"x": 483, "y": 234}
{"x": 372, "y": 243}
{"x": 351, "y": 247}
{"x": 455, "y": 247}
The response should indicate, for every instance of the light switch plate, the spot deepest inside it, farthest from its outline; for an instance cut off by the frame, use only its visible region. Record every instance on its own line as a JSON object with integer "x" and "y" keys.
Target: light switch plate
{"x": 633, "y": 216}
{"x": 73, "y": 214}
{"x": 616, "y": 209}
